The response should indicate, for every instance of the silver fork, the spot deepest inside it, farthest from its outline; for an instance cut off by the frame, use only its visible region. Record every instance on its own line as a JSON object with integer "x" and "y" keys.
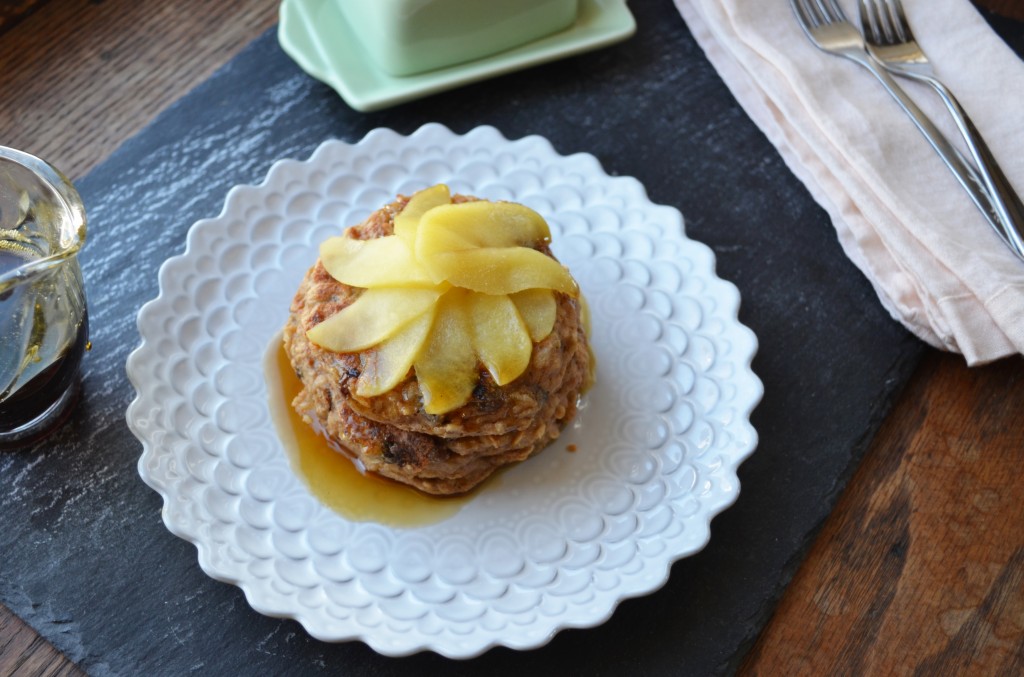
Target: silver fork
{"x": 891, "y": 41}
{"x": 827, "y": 27}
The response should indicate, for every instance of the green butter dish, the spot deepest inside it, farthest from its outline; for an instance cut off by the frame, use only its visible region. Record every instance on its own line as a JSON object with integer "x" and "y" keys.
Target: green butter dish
{"x": 323, "y": 39}
{"x": 405, "y": 37}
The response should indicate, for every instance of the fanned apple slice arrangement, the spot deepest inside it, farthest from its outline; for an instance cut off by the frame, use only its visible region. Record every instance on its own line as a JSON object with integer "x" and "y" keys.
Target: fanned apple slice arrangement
{"x": 457, "y": 285}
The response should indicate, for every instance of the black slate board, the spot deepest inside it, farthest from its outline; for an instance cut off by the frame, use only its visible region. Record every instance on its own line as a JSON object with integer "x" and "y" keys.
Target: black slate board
{"x": 87, "y": 561}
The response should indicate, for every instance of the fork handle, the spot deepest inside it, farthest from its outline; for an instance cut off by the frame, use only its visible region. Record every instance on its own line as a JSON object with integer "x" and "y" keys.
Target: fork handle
{"x": 1005, "y": 200}
{"x": 962, "y": 170}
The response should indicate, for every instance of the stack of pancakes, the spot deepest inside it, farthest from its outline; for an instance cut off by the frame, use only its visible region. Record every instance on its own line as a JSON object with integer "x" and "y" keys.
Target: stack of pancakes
{"x": 390, "y": 434}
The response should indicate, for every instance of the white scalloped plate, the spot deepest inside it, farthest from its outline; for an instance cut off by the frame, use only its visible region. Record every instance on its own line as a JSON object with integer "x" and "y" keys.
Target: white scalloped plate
{"x": 562, "y": 538}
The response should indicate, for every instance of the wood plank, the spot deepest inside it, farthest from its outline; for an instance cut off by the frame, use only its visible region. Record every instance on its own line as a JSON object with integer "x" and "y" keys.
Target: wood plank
{"x": 920, "y": 568}
{"x": 132, "y": 59}
{"x": 23, "y": 652}
{"x": 1013, "y": 9}
{"x": 13, "y": 11}
{"x": 120, "y": 63}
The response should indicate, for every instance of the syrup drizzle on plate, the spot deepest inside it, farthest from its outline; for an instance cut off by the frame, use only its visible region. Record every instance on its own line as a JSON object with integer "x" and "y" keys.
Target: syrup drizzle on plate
{"x": 331, "y": 475}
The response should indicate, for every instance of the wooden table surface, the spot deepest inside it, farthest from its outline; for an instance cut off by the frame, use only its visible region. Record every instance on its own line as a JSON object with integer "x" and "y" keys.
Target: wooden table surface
{"x": 918, "y": 570}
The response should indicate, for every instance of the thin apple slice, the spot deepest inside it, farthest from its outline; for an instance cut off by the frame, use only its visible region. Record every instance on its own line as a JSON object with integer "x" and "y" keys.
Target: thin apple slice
{"x": 386, "y": 365}
{"x": 500, "y": 337}
{"x": 377, "y": 314}
{"x": 475, "y": 225}
{"x": 380, "y": 262}
{"x": 538, "y": 310}
{"x": 408, "y": 220}
{"x": 504, "y": 270}
{"x": 480, "y": 224}
{"x": 446, "y": 367}
{"x": 486, "y": 247}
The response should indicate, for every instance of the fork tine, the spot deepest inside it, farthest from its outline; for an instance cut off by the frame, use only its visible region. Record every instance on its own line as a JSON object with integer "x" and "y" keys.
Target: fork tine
{"x": 833, "y": 12}
{"x": 886, "y": 31}
{"x": 804, "y": 14}
{"x": 868, "y": 21}
{"x": 893, "y": 26}
{"x": 899, "y": 21}
{"x": 890, "y": 25}
{"x": 818, "y": 6}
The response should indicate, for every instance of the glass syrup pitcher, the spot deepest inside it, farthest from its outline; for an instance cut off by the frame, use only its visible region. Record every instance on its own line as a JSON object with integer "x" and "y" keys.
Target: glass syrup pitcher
{"x": 44, "y": 323}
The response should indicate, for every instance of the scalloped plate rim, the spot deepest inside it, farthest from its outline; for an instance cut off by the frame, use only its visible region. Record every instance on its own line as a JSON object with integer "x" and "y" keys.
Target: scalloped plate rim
{"x": 133, "y": 366}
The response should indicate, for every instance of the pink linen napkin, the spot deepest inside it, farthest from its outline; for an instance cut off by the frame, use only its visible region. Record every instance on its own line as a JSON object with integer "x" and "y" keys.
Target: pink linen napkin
{"x": 900, "y": 215}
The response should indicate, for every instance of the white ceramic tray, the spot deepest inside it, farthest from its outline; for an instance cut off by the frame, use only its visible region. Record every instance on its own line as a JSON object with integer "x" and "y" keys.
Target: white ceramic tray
{"x": 563, "y": 537}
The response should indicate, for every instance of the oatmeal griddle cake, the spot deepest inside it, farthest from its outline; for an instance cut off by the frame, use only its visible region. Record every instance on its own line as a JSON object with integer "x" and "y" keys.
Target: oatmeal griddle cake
{"x": 390, "y": 434}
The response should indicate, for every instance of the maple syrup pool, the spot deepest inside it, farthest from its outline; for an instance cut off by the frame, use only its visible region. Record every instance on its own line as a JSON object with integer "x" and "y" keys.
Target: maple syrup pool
{"x": 332, "y": 476}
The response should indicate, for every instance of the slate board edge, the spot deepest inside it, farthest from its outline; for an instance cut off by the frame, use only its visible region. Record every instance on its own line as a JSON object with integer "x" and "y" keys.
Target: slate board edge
{"x": 65, "y": 637}
{"x": 902, "y": 371}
